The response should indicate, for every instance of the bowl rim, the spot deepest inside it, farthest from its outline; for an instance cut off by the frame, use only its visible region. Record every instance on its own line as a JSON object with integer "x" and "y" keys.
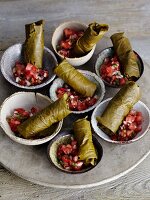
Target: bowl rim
{"x": 46, "y": 82}
{"x": 54, "y": 47}
{"x": 112, "y": 48}
{"x": 28, "y": 141}
{"x": 119, "y": 142}
{"x": 97, "y": 78}
{"x": 68, "y": 133}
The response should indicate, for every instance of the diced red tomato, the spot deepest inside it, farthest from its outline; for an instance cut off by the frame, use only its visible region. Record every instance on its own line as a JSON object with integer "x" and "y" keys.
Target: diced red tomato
{"x": 34, "y": 110}
{"x": 138, "y": 128}
{"x": 13, "y": 123}
{"x": 90, "y": 101}
{"x": 67, "y": 149}
{"x": 64, "y": 52}
{"x": 68, "y": 32}
{"x": 68, "y": 156}
{"x": 29, "y": 74}
{"x": 122, "y": 81}
{"x": 65, "y": 45}
{"x": 77, "y": 166}
{"x": 19, "y": 115}
{"x": 81, "y": 106}
{"x": 130, "y": 118}
{"x": 131, "y": 125}
{"x": 110, "y": 72}
{"x": 75, "y": 100}
{"x": 138, "y": 119}
{"x": 68, "y": 41}
{"x": 65, "y": 159}
{"x": 60, "y": 92}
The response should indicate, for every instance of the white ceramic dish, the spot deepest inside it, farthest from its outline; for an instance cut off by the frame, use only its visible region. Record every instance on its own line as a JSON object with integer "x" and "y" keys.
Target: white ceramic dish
{"x": 26, "y": 100}
{"x": 64, "y": 138}
{"x": 109, "y": 52}
{"x": 140, "y": 106}
{"x": 58, "y": 35}
{"x": 14, "y": 53}
{"x": 100, "y": 91}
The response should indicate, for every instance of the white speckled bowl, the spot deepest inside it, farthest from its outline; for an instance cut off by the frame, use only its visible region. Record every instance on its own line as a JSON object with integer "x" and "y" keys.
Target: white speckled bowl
{"x": 64, "y": 138}
{"x": 100, "y": 91}
{"x": 26, "y": 100}
{"x": 14, "y": 53}
{"x": 58, "y": 35}
{"x": 109, "y": 52}
{"x": 139, "y": 106}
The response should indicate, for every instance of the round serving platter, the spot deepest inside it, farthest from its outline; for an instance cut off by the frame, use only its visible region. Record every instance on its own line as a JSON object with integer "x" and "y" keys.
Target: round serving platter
{"x": 31, "y": 162}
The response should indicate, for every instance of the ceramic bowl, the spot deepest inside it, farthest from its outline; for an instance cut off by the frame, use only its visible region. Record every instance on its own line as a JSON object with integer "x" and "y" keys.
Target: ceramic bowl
{"x": 58, "y": 35}
{"x": 109, "y": 52}
{"x": 139, "y": 106}
{"x": 14, "y": 53}
{"x": 100, "y": 91}
{"x": 64, "y": 138}
{"x": 26, "y": 100}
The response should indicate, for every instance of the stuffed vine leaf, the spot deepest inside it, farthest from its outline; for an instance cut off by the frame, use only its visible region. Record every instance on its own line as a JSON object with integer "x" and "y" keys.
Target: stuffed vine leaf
{"x": 34, "y": 43}
{"x": 118, "y": 107}
{"x": 55, "y": 112}
{"x": 83, "y": 135}
{"x": 126, "y": 56}
{"x": 92, "y": 35}
{"x": 75, "y": 79}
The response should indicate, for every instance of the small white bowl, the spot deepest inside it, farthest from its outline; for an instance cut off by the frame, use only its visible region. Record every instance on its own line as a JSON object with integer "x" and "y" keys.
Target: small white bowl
{"x": 109, "y": 52}
{"x": 26, "y": 100}
{"x": 139, "y": 106}
{"x": 58, "y": 35}
{"x": 100, "y": 91}
{"x": 14, "y": 53}
{"x": 63, "y": 138}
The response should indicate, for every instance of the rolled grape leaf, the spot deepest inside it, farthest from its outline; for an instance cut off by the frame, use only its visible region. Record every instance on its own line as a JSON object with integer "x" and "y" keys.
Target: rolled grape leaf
{"x": 118, "y": 107}
{"x": 83, "y": 135}
{"x": 92, "y": 35}
{"x": 34, "y": 43}
{"x": 126, "y": 56}
{"x": 75, "y": 79}
{"x": 55, "y": 112}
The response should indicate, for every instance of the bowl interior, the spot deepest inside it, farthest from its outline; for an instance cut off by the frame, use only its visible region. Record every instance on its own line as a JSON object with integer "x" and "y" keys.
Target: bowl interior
{"x": 100, "y": 91}
{"x": 27, "y": 100}
{"x": 14, "y": 53}
{"x": 58, "y": 33}
{"x": 64, "y": 138}
{"x": 139, "y": 106}
{"x": 109, "y": 52}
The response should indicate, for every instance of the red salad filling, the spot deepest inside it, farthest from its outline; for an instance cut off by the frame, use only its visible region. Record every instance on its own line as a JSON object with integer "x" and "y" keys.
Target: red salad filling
{"x": 76, "y": 101}
{"x": 29, "y": 75}
{"x": 70, "y": 37}
{"x": 130, "y": 127}
{"x": 110, "y": 72}
{"x": 67, "y": 155}
{"x": 20, "y": 115}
